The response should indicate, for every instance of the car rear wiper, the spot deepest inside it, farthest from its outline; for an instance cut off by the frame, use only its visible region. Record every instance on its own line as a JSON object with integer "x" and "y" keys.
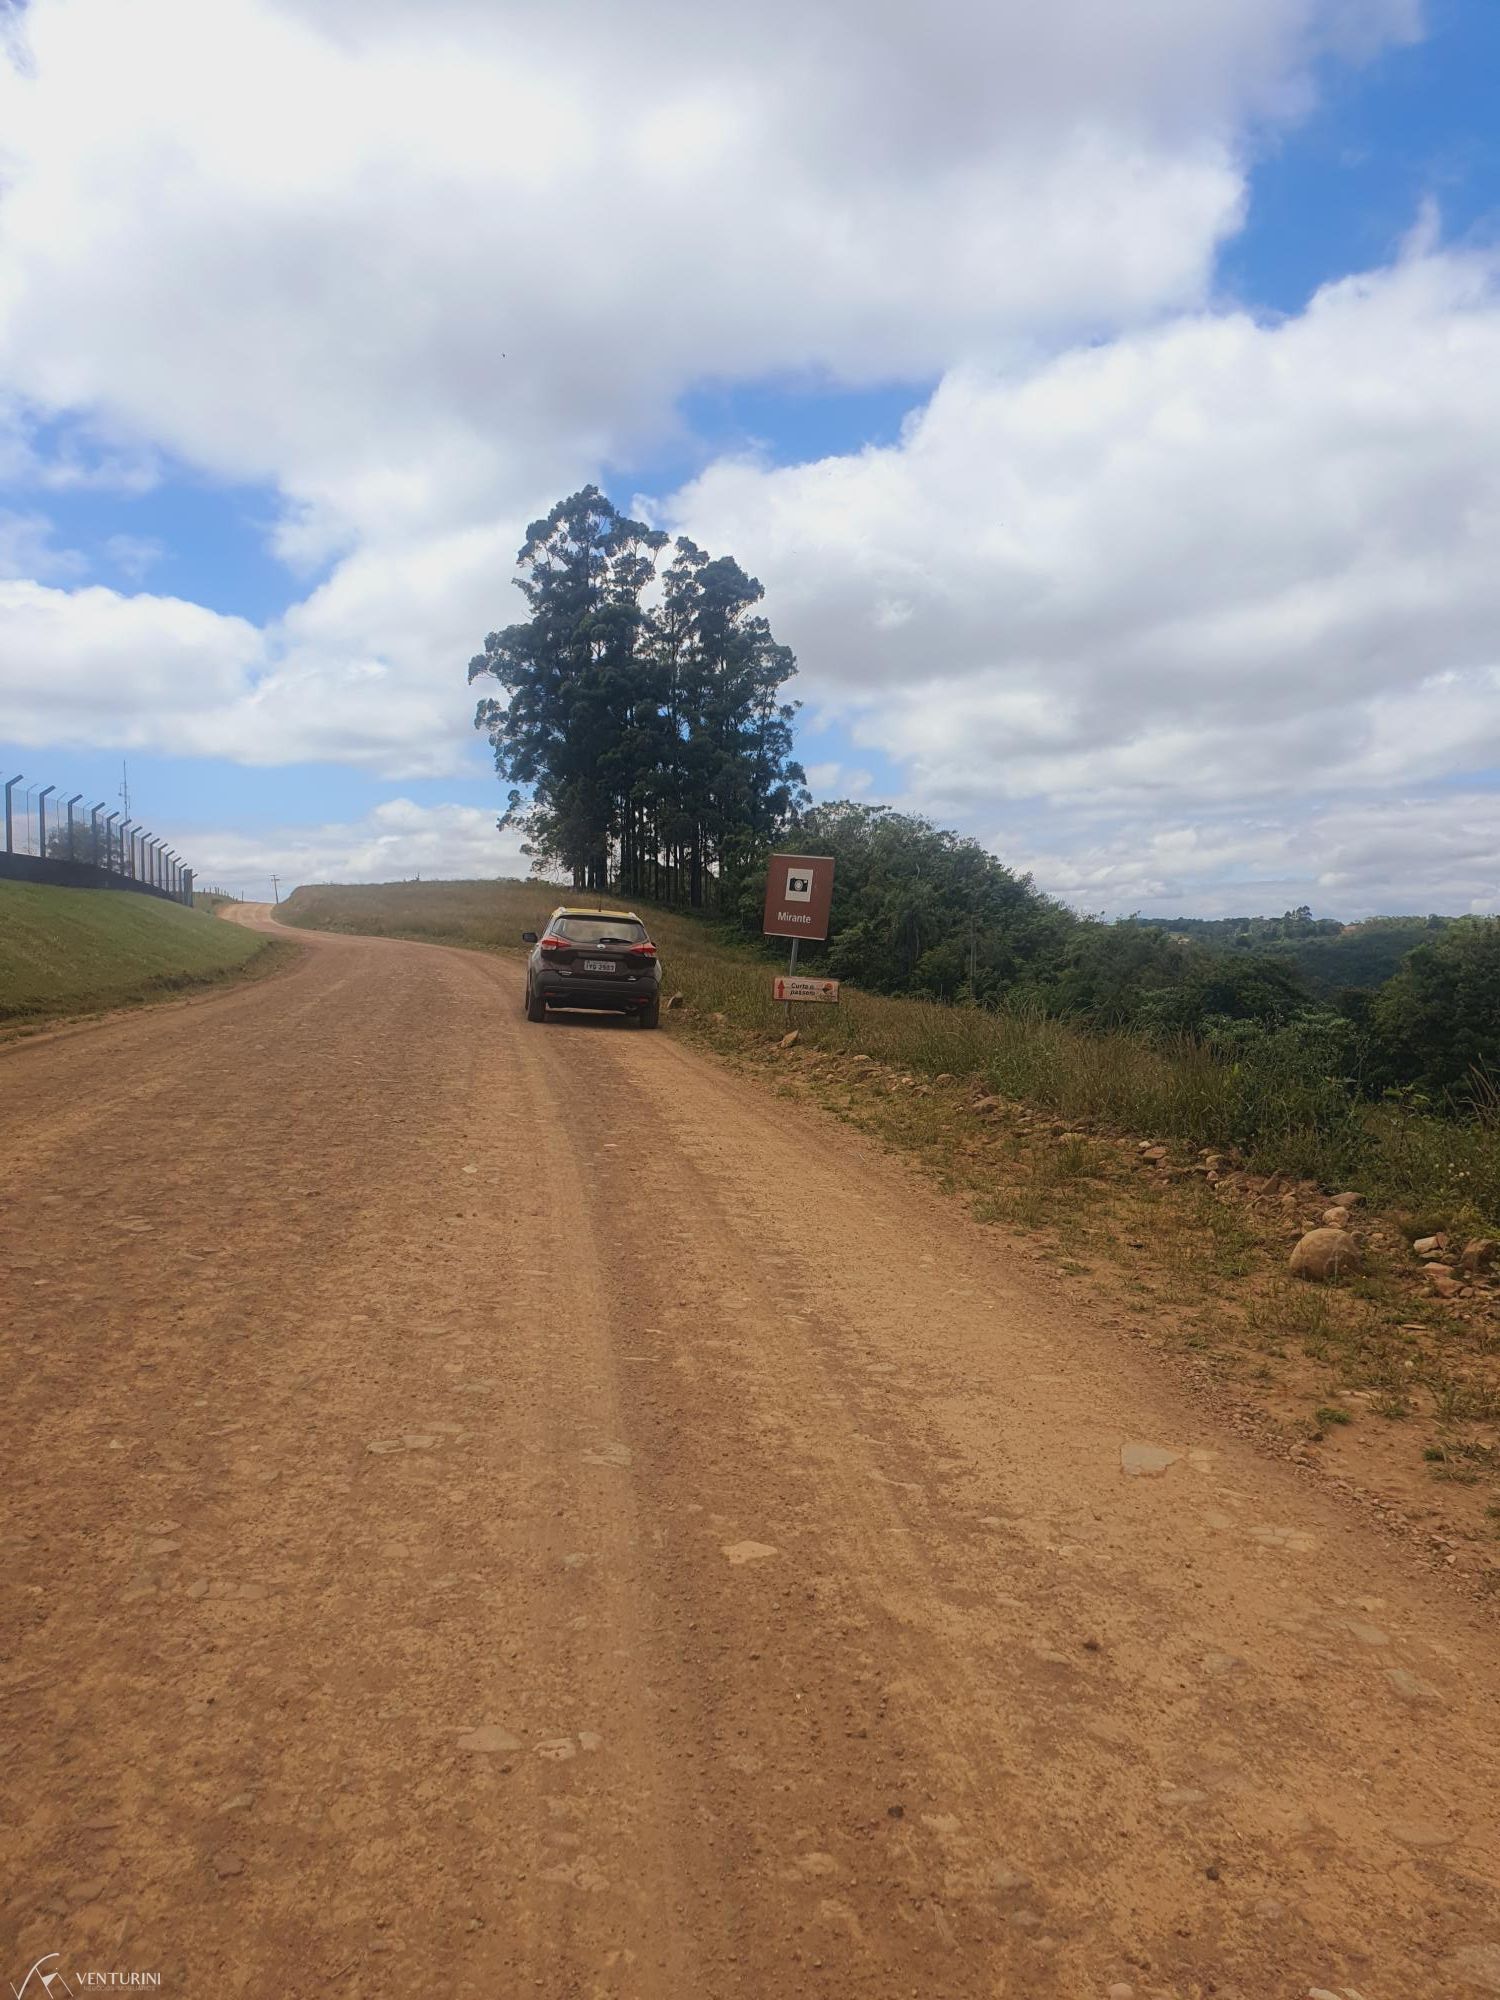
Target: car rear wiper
{"x": 607, "y": 940}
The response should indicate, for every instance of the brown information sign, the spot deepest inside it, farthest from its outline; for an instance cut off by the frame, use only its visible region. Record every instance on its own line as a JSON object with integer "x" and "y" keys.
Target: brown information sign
{"x": 799, "y": 893}
{"x": 789, "y": 987}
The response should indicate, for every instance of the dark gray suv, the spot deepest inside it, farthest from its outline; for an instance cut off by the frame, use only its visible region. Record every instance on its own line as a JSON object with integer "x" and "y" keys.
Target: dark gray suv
{"x": 599, "y": 959}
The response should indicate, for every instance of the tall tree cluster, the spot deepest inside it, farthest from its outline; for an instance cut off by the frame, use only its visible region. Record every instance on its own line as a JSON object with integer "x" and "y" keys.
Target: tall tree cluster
{"x": 644, "y": 734}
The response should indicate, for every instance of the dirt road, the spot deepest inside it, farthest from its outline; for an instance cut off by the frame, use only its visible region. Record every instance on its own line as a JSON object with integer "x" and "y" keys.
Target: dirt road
{"x": 499, "y": 1510}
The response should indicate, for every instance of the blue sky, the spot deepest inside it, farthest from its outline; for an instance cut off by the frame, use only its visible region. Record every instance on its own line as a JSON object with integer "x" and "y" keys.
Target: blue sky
{"x": 226, "y": 500}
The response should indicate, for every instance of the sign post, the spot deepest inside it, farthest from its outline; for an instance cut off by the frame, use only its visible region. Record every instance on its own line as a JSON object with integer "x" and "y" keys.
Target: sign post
{"x": 799, "y": 896}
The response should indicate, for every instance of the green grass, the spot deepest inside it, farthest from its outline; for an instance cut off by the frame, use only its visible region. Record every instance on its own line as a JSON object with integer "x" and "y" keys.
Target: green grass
{"x": 1184, "y": 1095}
{"x": 77, "y": 951}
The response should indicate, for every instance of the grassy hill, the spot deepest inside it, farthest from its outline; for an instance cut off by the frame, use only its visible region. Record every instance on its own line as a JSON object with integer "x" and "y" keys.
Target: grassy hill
{"x": 77, "y": 951}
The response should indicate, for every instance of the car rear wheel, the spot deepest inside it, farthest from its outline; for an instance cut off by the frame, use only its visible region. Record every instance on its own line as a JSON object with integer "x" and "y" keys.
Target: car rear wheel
{"x": 536, "y": 1006}
{"x": 650, "y": 1017}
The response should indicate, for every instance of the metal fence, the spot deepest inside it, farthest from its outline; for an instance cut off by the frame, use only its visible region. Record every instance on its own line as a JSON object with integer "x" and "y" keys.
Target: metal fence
{"x": 48, "y": 838}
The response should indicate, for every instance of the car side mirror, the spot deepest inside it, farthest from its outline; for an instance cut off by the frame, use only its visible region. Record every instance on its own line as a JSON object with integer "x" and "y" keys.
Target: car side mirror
{"x": 528, "y": 937}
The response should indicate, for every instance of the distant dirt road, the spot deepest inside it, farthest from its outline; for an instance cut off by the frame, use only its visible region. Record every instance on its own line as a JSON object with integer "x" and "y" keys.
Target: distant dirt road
{"x": 498, "y": 1510}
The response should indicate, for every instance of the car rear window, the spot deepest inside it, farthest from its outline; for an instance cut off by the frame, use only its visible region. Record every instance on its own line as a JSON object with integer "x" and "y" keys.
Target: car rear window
{"x": 599, "y": 930}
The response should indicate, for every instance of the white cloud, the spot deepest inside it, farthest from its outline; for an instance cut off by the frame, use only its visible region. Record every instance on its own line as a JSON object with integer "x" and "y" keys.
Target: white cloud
{"x": 408, "y": 261}
{"x": 396, "y": 841}
{"x": 422, "y": 267}
{"x": 1353, "y": 858}
{"x": 27, "y": 548}
{"x": 133, "y": 555}
{"x": 368, "y": 670}
{"x": 838, "y": 781}
{"x": 78, "y": 454}
{"x": 1213, "y": 561}
{"x": 90, "y": 666}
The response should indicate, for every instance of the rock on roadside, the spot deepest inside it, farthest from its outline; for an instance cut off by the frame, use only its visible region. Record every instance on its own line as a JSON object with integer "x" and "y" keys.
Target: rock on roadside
{"x": 1323, "y": 1254}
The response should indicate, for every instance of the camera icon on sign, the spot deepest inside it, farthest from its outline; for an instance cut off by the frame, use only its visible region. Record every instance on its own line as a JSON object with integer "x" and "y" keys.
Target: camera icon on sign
{"x": 798, "y": 886}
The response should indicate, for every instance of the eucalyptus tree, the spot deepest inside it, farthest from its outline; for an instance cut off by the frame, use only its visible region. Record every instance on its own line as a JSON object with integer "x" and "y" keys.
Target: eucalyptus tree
{"x": 644, "y": 735}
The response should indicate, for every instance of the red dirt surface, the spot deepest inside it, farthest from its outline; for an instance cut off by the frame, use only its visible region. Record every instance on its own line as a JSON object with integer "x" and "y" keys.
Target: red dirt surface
{"x": 496, "y": 1509}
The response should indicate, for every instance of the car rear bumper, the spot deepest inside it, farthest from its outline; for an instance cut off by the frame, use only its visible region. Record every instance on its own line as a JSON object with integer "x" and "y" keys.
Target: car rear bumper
{"x": 620, "y": 996}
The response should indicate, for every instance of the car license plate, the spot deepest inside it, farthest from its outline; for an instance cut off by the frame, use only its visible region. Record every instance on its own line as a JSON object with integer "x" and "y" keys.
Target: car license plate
{"x": 600, "y": 965}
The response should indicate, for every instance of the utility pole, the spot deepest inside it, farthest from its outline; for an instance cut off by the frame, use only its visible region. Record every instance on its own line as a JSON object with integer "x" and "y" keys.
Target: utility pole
{"x": 125, "y": 792}
{"x": 276, "y": 887}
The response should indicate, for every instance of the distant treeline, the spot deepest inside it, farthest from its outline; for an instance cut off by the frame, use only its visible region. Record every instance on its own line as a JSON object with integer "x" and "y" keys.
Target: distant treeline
{"x": 647, "y": 745}
{"x": 1329, "y": 955}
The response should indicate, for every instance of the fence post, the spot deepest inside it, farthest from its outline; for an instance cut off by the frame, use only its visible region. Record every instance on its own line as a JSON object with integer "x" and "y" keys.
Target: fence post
{"x": 109, "y": 842}
{"x": 71, "y": 803}
{"x": 41, "y": 819}
{"x": 9, "y": 813}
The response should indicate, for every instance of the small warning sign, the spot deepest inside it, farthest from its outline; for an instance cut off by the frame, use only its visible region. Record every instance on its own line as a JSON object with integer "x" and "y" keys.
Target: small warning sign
{"x": 787, "y": 986}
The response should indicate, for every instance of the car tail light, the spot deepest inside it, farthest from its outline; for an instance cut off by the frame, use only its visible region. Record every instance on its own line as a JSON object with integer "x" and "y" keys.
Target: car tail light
{"x": 643, "y": 951}
{"x": 556, "y": 944}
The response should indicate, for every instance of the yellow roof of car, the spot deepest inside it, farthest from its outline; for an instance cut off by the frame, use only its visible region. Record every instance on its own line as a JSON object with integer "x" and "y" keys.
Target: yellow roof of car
{"x": 625, "y": 916}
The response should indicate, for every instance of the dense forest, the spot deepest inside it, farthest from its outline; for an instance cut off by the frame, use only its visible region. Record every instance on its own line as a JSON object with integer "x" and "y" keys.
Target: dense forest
{"x": 1329, "y": 955}
{"x": 646, "y": 740}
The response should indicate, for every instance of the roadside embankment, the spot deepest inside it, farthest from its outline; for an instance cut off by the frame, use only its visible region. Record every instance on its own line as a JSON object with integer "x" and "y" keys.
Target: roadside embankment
{"x": 66, "y": 952}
